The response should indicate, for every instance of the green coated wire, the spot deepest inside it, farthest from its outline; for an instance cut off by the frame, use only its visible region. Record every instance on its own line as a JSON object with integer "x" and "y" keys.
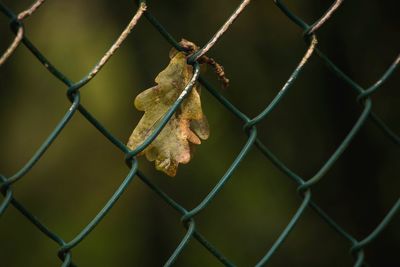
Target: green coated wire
{"x": 40, "y": 225}
{"x": 67, "y": 260}
{"x": 281, "y": 166}
{"x": 182, "y": 244}
{"x": 213, "y": 250}
{"x": 46, "y": 144}
{"x": 7, "y": 193}
{"x": 103, "y": 212}
{"x": 381, "y": 80}
{"x": 224, "y": 101}
{"x": 183, "y": 211}
{"x": 287, "y": 85}
{"x": 341, "y": 148}
{"x": 359, "y": 259}
{"x": 385, "y": 129}
{"x": 187, "y": 218}
{"x": 46, "y": 63}
{"x": 6, "y": 201}
{"x": 225, "y": 177}
{"x": 289, "y": 227}
{"x": 35, "y": 221}
{"x": 374, "y": 234}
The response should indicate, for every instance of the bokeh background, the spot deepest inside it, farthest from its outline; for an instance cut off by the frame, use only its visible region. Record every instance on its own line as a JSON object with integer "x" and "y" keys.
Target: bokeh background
{"x": 81, "y": 170}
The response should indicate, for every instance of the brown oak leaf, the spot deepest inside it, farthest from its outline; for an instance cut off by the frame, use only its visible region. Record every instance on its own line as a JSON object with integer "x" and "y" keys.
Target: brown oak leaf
{"x": 186, "y": 127}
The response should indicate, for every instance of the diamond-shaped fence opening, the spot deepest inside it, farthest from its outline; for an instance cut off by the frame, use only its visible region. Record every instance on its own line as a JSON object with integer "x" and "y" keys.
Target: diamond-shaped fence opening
{"x": 250, "y": 126}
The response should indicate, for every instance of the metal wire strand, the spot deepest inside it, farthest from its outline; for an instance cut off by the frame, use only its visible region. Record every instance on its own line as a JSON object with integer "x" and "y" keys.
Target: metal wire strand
{"x": 250, "y": 128}
{"x": 20, "y": 33}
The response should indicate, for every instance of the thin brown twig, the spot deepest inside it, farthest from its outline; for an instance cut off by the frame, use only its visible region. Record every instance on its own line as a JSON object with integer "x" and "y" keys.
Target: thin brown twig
{"x": 142, "y": 8}
{"x": 325, "y": 17}
{"x": 309, "y": 52}
{"x": 305, "y": 58}
{"x": 222, "y": 30}
{"x": 10, "y": 50}
{"x": 29, "y": 11}
{"x": 218, "y": 68}
{"x": 20, "y": 33}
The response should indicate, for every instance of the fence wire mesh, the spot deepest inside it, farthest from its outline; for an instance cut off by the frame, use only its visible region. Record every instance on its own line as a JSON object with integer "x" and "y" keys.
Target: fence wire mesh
{"x": 305, "y": 184}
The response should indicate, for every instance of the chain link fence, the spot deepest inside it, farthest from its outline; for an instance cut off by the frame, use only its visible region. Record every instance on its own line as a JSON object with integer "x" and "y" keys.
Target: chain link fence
{"x": 188, "y": 216}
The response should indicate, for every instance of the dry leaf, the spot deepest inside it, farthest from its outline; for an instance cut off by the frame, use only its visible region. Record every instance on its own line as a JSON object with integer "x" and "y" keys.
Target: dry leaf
{"x": 186, "y": 127}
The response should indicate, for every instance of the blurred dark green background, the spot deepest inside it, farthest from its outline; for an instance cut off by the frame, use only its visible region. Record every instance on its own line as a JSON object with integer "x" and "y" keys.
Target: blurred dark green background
{"x": 81, "y": 170}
